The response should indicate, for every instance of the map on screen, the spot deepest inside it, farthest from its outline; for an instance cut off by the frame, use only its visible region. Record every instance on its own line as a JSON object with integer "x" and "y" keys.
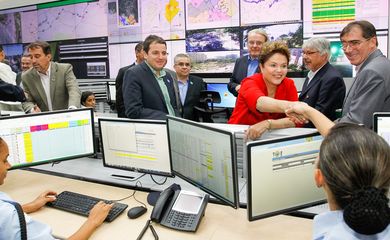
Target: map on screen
{"x": 269, "y": 11}
{"x": 163, "y": 18}
{"x": 211, "y": 13}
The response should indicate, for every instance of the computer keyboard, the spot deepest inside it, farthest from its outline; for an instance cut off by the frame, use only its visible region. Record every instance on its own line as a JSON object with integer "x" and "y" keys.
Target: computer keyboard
{"x": 82, "y": 204}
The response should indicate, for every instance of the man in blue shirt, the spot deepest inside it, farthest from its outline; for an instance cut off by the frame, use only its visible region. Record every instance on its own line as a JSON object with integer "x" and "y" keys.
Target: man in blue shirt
{"x": 249, "y": 64}
{"x": 189, "y": 86}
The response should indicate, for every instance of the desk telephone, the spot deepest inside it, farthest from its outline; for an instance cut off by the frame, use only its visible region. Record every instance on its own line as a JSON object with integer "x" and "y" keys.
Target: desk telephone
{"x": 181, "y": 210}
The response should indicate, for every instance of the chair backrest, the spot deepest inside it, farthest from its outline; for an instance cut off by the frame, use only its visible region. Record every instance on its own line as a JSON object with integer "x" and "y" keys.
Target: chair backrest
{"x": 209, "y": 97}
{"x": 111, "y": 92}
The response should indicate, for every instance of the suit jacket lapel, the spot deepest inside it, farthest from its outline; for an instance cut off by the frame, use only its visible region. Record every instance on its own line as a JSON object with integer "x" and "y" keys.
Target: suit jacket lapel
{"x": 39, "y": 86}
{"x": 246, "y": 66}
{"x": 53, "y": 73}
{"x": 153, "y": 81}
{"x": 190, "y": 89}
{"x": 316, "y": 79}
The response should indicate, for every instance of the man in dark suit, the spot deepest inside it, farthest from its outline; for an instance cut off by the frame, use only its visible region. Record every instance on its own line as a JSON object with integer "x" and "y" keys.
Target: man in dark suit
{"x": 189, "y": 87}
{"x": 324, "y": 87}
{"x": 248, "y": 65}
{"x": 148, "y": 91}
{"x": 139, "y": 58}
{"x": 25, "y": 64}
{"x": 10, "y": 92}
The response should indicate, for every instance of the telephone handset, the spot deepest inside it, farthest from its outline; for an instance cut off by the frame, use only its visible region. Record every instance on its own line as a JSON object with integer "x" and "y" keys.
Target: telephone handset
{"x": 181, "y": 210}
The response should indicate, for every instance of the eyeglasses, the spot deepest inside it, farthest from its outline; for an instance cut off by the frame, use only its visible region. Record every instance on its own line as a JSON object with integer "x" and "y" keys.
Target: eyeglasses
{"x": 309, "y": 53}
{"x": 258, "y": 43}
{"x": 353, "y": 43}
{"x": 181, "y": 64}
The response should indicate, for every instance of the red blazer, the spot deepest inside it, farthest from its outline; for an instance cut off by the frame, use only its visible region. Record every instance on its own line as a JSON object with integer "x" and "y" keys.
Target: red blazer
{"x": 252, "y": 88}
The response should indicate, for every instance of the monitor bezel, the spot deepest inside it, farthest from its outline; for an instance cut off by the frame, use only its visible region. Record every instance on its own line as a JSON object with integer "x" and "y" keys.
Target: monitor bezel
{"x": 62, "y": 158}
{"x": 235, "y": 203}
{"x": 218, "y": 105}
{"x": 250, "y": 145}
{"x": 133, "y": 169}
{"x": 375, "y": 117}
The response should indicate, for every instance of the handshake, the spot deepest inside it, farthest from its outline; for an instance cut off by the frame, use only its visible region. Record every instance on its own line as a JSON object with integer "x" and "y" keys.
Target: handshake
{"x": 298, "y": 112}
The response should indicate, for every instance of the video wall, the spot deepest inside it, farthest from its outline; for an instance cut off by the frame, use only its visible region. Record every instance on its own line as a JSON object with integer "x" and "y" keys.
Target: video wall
{"x": 212, "y": 32}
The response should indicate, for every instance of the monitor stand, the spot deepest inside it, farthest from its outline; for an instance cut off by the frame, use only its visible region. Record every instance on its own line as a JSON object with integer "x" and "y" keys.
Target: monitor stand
{"x": 122, "y": 176}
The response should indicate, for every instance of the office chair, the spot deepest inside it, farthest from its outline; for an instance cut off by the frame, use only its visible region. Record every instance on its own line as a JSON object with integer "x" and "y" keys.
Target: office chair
{"x": 111, "y": 91}
{"x": 206, "y": 109}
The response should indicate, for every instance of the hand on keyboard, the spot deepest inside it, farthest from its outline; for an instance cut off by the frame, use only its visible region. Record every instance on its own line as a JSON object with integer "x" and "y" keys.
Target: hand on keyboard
{"x": 84, "y": 204}
{"x": 40, "y": 201}
{"x": 99, "y": 212}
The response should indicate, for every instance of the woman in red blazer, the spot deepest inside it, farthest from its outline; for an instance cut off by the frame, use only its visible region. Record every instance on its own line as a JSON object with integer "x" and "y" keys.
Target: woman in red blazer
{"x": 264, "y": 97}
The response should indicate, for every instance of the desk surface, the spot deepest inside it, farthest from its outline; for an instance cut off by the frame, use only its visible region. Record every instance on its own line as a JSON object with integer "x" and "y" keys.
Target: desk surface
{"x": 219, "y": 222}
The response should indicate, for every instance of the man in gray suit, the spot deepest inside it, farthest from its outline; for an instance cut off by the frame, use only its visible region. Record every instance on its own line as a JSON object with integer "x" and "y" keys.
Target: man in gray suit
{"x": 49, "y": 85}
{"x": 370, "y": 90}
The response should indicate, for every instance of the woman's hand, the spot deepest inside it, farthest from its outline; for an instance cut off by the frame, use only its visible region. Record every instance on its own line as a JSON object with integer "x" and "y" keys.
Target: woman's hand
{"x": 40, "y": 201}
{"x": 99, "y": 212}
{"x": 297, "y": 112}
{"x": 256, "y": 130}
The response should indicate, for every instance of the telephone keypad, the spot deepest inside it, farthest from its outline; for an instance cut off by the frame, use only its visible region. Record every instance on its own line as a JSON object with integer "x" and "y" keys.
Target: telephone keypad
{"x": 180, "y": 219}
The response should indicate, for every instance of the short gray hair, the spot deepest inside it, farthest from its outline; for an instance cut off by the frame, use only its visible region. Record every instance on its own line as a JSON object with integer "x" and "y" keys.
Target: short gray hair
{"x": 181, "y": 55}
{"x": 260, "y": 32}
{"x": 322, "y": 45}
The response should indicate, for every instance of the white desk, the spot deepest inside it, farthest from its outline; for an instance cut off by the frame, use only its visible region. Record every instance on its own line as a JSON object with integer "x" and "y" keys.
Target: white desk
{"x": 220, "y": 222}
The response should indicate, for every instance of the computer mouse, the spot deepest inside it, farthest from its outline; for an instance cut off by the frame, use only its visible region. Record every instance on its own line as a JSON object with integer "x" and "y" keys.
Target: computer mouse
{"x": 136, "y": 212}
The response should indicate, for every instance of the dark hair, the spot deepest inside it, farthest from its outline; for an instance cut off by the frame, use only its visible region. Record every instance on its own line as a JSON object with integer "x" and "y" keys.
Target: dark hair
{"x": 1, "y": 48}
{"x": 40, "y": 44}
{"x": 270, "y": 48}
{"x": 355, "y": 163}
{"x": 84, "y": 96}
{"x": 368, "y": 30}
{"x": 152, "y": 39}
{"x": 139, "y": 46}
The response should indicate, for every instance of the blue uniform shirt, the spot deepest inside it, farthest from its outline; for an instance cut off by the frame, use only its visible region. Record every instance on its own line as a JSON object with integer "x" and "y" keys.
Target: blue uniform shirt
{"x": 331, "y": 226}
{"x": 10, "y": 227}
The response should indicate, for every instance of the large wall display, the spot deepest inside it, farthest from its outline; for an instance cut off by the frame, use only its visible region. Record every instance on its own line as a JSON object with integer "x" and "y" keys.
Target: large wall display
{"x": 212, "y": 13}
{"x": 212, "y": 32}
{"x": 269, "y": 11}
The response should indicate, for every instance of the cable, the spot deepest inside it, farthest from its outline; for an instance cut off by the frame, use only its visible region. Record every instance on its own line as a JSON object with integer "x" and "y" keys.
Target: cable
{"x": 132, "y": 195}
{"x": 158, "y": 183}
{"x": 136, "y": 191}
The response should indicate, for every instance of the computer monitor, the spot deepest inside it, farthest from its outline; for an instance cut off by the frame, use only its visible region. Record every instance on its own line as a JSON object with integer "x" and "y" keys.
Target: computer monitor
{"x": 135, "y": 145}
{"x": 382, "y": 125}
{"x": 111, "y": 92}
{"x": 228, "y": 100}
{"x": 281, "y": 175}
{"x": 49, "y": 136}
{"x": 205, "y": 157}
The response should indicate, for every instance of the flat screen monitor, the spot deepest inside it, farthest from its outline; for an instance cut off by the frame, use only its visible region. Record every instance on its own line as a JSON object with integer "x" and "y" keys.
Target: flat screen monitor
{"x": 382, "y": 125}
{"x": 228, "y": 100}
{"x": 111, "y": 92}
{"x": 135, "y": 145}
{"x": 205, "y": 157}
{"x": 281, "y": 175}
{"x": 49, "y": 136}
